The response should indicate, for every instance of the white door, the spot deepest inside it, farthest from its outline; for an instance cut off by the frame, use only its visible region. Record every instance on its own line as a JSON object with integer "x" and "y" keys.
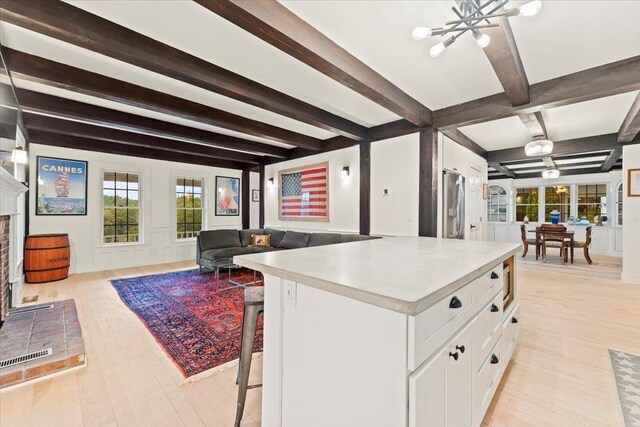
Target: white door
{"x": 475, "y": 205}
{"x": 441, "y": 391}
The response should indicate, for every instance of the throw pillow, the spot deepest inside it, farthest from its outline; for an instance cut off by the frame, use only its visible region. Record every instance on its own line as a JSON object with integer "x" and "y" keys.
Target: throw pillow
{"x": 260, "y": 240}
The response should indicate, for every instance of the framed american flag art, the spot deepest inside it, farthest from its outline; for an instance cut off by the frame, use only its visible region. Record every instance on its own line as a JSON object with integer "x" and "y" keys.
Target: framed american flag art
{"x": 303, "y": 193}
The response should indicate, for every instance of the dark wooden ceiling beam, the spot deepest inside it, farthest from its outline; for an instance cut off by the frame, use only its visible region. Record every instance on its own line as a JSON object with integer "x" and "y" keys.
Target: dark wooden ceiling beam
{"x": 606, "y": 80}
{"x": 504, "y": 57}
{"x": 278, "y": 26}
{"x": 74, "y": 110}
{"x": 570, "y": 146}
{"x": 87, "y": 144}
{"x": 611, "y": 159}
{"x": 73, "y": 25}
{"x": 69, "y": 127}
{"x": 465, "y": 141}
{"x": 631, "y": 125}
{"x": 503, "y": 169}
{"x": 33, "y": 68}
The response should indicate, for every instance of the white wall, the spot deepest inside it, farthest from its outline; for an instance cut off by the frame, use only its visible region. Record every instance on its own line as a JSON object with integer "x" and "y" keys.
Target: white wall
{"x": 158, "y": 230}
{"x": 631, "y": 221}
{"x": 395, "y": 166}
{"x": 344, "y": 194}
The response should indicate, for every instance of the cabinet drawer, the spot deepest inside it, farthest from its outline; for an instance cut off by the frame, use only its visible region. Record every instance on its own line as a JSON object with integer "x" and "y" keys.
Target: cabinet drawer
{"x": 489, "y": 283}
{"x": 434, "y": 326}
{"x": 511, "y": 329}
{"x": 489, "y": 328}
{"x": 488, "y": 380}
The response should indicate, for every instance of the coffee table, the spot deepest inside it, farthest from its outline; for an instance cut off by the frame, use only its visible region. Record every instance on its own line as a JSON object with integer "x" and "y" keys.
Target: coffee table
{"x": 229, "y": 265}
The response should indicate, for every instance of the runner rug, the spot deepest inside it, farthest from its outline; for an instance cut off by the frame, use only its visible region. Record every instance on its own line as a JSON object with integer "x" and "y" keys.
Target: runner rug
{"x": 198, "y": 324}
{"x": 626, "y": 369}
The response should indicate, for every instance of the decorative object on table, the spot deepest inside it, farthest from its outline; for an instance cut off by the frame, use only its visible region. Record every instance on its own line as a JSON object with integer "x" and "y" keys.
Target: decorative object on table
{"x": 597, "y": 220}
{"x": 485, "y": 191}
{"x": 46, "y": 257}
{"x": 626, "y": 371}
{"x": 227, "y": 196}
{"x": 633, "y": 183}
{"x": 255, "y": 195}
{"x": 584, "y": 221}
{"x": 303, "y": 193}
{"x": 585, "y": 245}
{"x": 604, "y": 219}
{"x": 197, "y": 326}
{"x": 473, "y": 16}
{"x": 571, "y": 220}
{"x": 554, "y": 216}
{"x": 61, "y": 187}
{"x": 260, "y": 240}
{"x": 525, "y": 219}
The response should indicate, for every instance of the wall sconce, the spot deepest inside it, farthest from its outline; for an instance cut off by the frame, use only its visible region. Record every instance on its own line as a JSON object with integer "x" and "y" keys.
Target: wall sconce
{"x": 345, "y": 172}
{"x": 271, "y": 182}
{"x": 19, "y": 156}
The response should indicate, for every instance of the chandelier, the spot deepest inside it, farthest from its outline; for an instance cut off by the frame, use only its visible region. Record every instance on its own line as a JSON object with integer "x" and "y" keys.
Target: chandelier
{"x": 471, "y": 14}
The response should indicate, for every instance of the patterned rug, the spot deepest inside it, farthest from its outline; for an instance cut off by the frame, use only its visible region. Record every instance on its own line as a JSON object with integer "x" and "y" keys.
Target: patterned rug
{"x": 626, "y": 368}
{"x": 197, "y": 326}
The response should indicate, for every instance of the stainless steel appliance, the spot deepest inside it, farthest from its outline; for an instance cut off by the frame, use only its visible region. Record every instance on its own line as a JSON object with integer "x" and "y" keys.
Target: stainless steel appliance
{"x": 453, "y": 187}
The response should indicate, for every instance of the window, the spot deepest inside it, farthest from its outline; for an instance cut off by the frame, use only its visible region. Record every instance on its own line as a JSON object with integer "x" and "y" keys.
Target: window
{"x": 188, "y": 207}
{"x": 592, "y": 201}
{"x": 527, "y": 203}
{"x": 619, "y": 203}
{"x": 120, "y": 207}
{"x": 497, "y": 204}
{"x": 557, "y": 198}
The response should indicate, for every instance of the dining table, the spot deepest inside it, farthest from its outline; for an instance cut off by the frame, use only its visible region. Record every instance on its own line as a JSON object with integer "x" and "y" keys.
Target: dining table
{"x": 567, "y": 235}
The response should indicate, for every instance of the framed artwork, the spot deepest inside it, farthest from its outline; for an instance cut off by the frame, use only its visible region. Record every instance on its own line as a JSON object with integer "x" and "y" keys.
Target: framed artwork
{"x": 61, "y": 186}
{"x": 227, "y": 196}
{"x": 255, "y": 195}
{"x": 633, "y": 183}
{"x": 303, "y": 193}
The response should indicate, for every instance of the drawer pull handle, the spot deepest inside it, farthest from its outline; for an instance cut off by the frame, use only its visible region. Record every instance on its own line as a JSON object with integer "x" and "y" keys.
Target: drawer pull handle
{"x": 494, "y": 359}
{"x": 494, "y": 275}
{"x": 494, "y": 308}
{"x": 461, "y": 348}
{"x": 454, "y": 355}
{"x": 455, "y": 303}
{"x": 514, "y": 320}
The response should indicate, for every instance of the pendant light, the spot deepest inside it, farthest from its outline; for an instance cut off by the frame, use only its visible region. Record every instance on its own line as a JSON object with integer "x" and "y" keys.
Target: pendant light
{"x": 539, "y": 147}
{"x": 550, "y": 173}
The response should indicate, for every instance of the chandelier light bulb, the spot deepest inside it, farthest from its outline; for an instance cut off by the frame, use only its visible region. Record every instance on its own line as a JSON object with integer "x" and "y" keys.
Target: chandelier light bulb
{"x": 530, "y": 9}
{"x": 539, "y": 147}
{"x": 421, "y": 33}
{"x": 483, "y": 40}
{"x": 436, "y": 50}
{"x": 550, "y": 173}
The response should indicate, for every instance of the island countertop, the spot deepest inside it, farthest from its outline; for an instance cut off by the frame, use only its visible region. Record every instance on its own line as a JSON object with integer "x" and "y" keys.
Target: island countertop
{"x": 403, "y": 274}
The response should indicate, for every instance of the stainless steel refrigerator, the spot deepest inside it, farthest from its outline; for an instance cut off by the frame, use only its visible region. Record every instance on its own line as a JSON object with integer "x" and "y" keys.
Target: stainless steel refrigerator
{"x": 453, "y": 188}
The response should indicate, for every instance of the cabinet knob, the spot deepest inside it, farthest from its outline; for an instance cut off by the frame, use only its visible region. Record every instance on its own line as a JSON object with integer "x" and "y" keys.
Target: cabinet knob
{"x": 461, "y": 348}
{"x": 454, "y": 355}
{"x": 514, "y": 320}
{"x": 494, "y": 275}
{"x": 494, "y": 308}
{"x": 494, "y": 359}
{"x": 455, "y": 303}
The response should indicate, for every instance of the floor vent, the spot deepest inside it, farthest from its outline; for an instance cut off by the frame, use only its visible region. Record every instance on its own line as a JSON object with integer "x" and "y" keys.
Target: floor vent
{"x": 26, "y": 358}
{"x": 28, "y": 309}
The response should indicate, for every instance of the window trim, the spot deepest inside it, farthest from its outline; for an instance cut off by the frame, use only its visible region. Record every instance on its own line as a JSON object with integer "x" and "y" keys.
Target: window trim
{"x": 619, "y": 190}
{"x": 516, "y": 204}
{"x": 139, "y": 208}
{"x": 596, "y": 183}
{"x": 174, "y": 216}
{"x": 572, "y": 188}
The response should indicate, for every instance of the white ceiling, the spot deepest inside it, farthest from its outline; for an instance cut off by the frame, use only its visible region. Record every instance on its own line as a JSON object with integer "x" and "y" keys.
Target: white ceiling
{"x": 567, "y": 36}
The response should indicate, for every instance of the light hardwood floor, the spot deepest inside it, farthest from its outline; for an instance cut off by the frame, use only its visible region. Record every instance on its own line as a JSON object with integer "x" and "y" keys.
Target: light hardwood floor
{"x": 560, "y": 373}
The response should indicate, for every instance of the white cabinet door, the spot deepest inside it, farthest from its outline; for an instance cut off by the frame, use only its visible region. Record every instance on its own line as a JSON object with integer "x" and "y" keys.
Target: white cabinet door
{"x": 441, "y": 391}
{"x": 453, "y": 156}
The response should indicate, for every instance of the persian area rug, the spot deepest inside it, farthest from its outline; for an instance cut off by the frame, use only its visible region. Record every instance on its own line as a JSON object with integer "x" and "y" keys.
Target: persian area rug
{"x": 196, "y": 322}
{"x": 626, "y": 369}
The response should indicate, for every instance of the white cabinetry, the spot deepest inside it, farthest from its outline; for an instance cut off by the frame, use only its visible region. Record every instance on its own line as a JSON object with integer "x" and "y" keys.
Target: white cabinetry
{"x": 453, "y": 156}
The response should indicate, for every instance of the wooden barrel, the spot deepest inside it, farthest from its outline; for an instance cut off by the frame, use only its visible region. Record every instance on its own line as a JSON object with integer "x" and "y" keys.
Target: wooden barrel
{"x": 46, "y": 257}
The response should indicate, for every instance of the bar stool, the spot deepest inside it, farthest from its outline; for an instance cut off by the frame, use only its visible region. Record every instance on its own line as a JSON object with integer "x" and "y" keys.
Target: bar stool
{"x": 253, "y": 306}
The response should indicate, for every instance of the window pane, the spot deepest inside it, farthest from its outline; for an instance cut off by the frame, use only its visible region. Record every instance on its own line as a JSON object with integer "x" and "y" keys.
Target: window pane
{"x": 109, "y": 180}
{"x": 188, "y": 207}
{"x": 121, "y": 180}
{"x": 197, "y": 216}
{"x": 133, "y": 182}
{"x": 197, "y": 200}
{"x": 132, "y": 233}
{"x": 108, "y": 231}
{"x": 109, "y": 216}
{"x": 121, "y": 198}
{"x": 121, "y": 216}
{"x": 108, "y": 198}
{"x": 197, "y": 186}
{"x": 189, "y": 216}
{"x": 132, "y": 197}
{"x": 180, "y": 216}
{"x": 132, "y": 216}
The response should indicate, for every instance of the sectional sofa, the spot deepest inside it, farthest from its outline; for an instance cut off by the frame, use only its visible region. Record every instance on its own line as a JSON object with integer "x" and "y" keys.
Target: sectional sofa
{"x": 214, "y": 247}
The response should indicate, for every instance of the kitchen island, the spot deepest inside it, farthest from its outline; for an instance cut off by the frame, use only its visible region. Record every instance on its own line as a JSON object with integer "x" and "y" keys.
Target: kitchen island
{"x": 400, "y": 331}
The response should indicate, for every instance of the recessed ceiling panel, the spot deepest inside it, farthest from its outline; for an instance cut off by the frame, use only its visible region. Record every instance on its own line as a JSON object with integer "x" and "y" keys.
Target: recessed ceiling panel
{"x": 597, "y": 117}
{"x": 570, "y": 36}
{"x": 498, "y": 134}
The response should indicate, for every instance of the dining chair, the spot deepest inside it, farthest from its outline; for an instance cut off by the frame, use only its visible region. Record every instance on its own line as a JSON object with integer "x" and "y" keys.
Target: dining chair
{"x": 526, "y": 242}
{"x": 585, "y": 245}
{"x": 554, "y": 238}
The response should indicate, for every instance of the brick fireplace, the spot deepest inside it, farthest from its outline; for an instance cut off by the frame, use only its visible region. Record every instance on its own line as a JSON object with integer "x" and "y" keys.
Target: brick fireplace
{"x": 5, "y": 293}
